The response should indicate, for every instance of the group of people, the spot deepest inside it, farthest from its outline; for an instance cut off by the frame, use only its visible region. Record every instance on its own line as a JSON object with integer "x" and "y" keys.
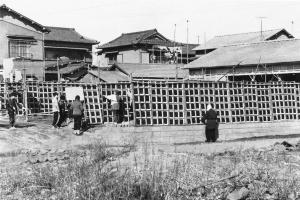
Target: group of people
{"x": 117, "y": 105}
{"x": 63, "y": 111}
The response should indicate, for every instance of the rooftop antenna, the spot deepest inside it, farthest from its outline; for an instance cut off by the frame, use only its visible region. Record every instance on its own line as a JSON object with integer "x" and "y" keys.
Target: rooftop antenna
{"x": 261, "y": 27}
{"x": 204, "y": 41}
{"x": 174, "y": 34}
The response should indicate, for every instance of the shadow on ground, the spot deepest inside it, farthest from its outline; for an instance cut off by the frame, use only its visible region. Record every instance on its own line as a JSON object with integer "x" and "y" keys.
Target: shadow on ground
{"x": 245, "y": 139}
{"x": 17, "y": 125}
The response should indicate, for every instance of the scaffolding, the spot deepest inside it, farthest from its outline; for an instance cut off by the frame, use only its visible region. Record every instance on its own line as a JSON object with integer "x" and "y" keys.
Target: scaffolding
{"x": 172, "y": 102}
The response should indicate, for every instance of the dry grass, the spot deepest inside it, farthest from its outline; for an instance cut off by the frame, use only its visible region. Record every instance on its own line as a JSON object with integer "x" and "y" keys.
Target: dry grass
{"x": 101, "y": 174}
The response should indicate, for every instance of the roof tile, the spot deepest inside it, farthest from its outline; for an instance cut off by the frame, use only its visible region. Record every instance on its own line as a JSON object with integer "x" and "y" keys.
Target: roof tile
{"x": 268, "y": 52}
{"x": 67, "y": 35}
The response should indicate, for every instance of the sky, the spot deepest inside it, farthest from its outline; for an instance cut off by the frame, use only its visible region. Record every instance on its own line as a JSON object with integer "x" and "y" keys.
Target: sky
{"x": 104, "y": 20}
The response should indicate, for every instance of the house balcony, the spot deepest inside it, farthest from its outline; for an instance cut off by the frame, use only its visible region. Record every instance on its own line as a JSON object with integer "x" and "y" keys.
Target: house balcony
{"x": 161, "y": 60}
{"x": 22, "y": 55}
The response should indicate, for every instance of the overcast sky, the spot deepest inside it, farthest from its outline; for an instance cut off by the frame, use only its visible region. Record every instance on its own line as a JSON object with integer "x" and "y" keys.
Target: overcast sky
{"x": 104, "y": 20}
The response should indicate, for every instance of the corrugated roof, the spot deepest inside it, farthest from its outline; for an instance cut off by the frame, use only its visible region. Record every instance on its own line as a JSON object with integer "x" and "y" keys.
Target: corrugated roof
{"x": 33, "y": 23}
{"x": 153, "y": 70}
{"x": 190, "y": 47}
{"x": 268, "y": 52}
{"x": 67, "y": 35}
{"x": 110, "y": 76}
{"x": 250, "y": 37}
{"x": 136, "y": 37}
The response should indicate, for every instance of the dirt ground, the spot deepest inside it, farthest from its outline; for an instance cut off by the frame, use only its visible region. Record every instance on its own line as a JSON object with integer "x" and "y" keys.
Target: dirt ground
{"x": 37, "y": 134}
{"x": 35, "y": 142}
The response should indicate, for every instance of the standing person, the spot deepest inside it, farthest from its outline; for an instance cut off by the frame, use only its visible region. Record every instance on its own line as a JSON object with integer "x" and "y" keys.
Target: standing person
{"x": 55, "y": 110}
{"x": 115, "y": 105}
{"x": 12, "y": 109}
{"x": 130, "y": 112}
{"x": 62, "y": 104}
{"x": 77, "y": 112}
{"x": 210, "y": 120}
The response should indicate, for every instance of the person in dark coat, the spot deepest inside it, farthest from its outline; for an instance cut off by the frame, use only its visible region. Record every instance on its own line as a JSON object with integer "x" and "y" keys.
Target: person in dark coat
{"x": 62, "y": 104}
{"x": 12, "y": 109}
{"x": 210, "y": 119}
{"x": 77, "y": 113}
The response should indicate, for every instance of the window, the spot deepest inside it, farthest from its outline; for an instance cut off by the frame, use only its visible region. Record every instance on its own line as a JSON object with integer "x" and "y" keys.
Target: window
{"x": 19, "y": 48}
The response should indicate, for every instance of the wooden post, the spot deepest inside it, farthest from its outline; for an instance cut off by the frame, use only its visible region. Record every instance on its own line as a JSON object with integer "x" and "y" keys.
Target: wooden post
{"x": 25, "y": 93}
{"x": 244, "y": 101}
{"x": 167, "y": 102}
{"x": 229, "y": 101}
{"x": 150, "y": 101}
{"x": 184, "y": 104}
{"x": 133, "y": 100}
{"x": 270, "y": 101}
{"x": 296, "y": 99}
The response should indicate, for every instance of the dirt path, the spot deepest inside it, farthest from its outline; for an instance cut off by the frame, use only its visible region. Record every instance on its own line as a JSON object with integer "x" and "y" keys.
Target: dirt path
{"x": 39, "y": 135}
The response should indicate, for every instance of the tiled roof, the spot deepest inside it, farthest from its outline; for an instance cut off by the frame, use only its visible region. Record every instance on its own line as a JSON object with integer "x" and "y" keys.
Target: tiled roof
{"x": 110, "y": 76}
{"x": 268, "y": 52}
{"x": 250, "y": 37}
{"x": 135, "y": 38}
{"x": 33, "y": 23}
{"x": 65, "y": 68}
{"x": 67, "y": 35}
{"x": 161, "y": 71}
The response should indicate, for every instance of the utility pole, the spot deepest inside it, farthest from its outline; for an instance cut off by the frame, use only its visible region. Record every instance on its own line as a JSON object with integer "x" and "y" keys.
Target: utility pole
{"x": 174, "y": 34}
{"x": 58, "y": 71}
{"x": 292, "y": 27}
{"x": 174, "y": 53}
{"x": 187, "y": 41}
{"x": 261, "y": 27}
{"x": 204, "y": 41}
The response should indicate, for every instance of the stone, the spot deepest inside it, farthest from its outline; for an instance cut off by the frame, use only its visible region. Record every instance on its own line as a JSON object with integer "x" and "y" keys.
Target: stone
{"x": 286, "y": 144}
{"x": 269, "y": 197}
{"x": 292, "y": 196}
{"x": 238, "y": 194}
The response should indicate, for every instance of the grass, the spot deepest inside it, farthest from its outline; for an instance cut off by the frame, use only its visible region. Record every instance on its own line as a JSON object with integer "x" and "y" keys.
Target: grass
{"x": 103, "y": 174}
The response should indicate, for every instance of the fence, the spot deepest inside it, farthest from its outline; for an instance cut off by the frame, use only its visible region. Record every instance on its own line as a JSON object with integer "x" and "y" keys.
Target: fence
{"x": 173, "y": 103}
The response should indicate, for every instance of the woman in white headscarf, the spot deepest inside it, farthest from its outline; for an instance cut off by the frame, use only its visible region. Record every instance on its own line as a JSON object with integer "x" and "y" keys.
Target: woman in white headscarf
{"x": 210, "y": 119}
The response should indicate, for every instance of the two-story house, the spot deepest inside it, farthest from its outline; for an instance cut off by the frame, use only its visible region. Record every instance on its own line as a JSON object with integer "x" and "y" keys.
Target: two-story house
{"x": 26, "y": 44}
{"x": 142, "y": 47}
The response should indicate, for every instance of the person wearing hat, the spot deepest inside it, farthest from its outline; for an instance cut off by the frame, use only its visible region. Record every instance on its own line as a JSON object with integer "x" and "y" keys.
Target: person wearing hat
{"x": 115, "y": 105}
{"x": 210, "y": 119}
{"x": 12, "y": 109}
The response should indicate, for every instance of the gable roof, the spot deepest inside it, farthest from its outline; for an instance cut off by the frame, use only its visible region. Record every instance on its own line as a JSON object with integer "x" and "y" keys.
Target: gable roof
{"x": 24, "y": 18}
{"x": 250, "y": 37}
{"x": 140, "y": 37}
{"x": 67, "y": 35}
{"x": 268, "y": 52}
{"x": 161, "y": 71}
